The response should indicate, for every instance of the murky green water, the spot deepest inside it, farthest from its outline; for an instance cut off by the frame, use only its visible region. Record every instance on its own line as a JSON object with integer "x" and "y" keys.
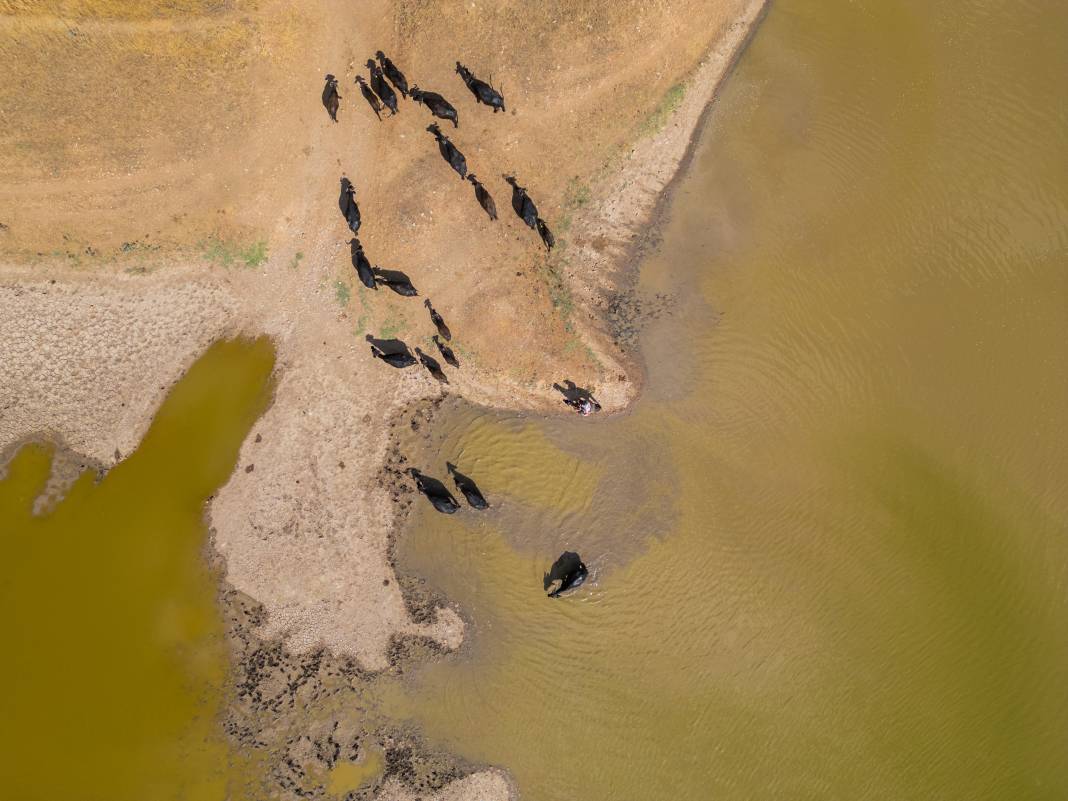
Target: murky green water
{"x": 829, "y": 545}
{"x": 114, "y": 660}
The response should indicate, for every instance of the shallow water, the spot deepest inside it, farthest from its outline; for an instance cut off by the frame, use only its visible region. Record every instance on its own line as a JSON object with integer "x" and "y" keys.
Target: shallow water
{"x": 828, "y": 546}
{"x": 115, "y": 660}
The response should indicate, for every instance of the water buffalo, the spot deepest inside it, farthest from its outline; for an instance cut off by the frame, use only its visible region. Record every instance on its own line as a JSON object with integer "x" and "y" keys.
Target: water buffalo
{"x": 397, "y": 281}
{"x": 485, "y": 200}
{"x": 369, "y": 96}
{"x": 446, "y": 352}
{"x": 483, "y": 92}
{"x": 438, "y": 105}
{"x": 382, "y": 89}
{"x": 522, "y": 204}
{"x": 331, "y": 97}
{"x": 398, "y": 357}
{"x": 438, "y": 321}
{"x": 432, "y": 366}
{"x": 361, "y": 264}
{"x": 467, "y": 487}
{"x": 569, "y": 571}
{"x": 347, "y": 203}
{"x": 436, "y": 492}
{"x": 545, "y": 234}
{"x": 396, "y": 77}
{"x": 449, "y": 151}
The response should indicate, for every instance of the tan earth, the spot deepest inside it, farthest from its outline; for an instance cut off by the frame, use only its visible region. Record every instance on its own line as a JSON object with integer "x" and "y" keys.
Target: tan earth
{"x": 168, "y": 175}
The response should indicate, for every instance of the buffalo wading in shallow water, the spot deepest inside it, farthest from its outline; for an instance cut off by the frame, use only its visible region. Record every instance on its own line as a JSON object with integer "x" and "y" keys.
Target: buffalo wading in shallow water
{"x": 331, "y": 97}
{"x": 435, "y": 492}
{"x": 347, "y": 203}
{"x": 483, "y": 92}
{"x": 446, "y": 352}
{"x": 395, "y": 280}
{"x": 567, "y": 573}
{"x": 467, "y": 487}
{"x": 438, "y": 105}
{"x": 396, "y": 77}
{"x": 361, "y": 264}
{"x": 393, "y": 352}
{"x": 545, "y": 234}
{"x": 449, "y": 151}
{"x": 485, "y": 200}
{"x": 522, "y": 204}
{"x": 382, "y": 89}
{"x": 438, "y": 321}
{"x": 369, "y": 96}
{"x": 432, "y": 366}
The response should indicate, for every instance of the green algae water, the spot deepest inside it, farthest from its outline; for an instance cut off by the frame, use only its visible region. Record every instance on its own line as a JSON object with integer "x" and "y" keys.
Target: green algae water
{"x": 115, "y": 660}
{"x": 829, "y": 546}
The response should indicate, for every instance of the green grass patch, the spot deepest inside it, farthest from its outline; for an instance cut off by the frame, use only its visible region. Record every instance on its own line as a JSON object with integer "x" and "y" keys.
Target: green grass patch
{"x": 227, "y": 254}
{"x": 658, "y": 118}
{"x": 342, "y": 293}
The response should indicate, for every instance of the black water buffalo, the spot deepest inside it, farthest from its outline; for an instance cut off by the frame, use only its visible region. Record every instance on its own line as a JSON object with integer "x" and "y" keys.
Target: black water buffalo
{"x": 331, "y": 97}
{"x": 438, "y": 320}
{"x": 382, "y": 89}
{"x": 484, "y": 198}
{"x": 397, "y": 281}
{"x": 397, "y": 356}
{"x": 467, "y": 487}
{"x": 370, "y": 97}
{"x": 446, "y": 352}
{"x": 347, "y": 203}
{"x": 438, "y": 105}
{"x": 522, "y": 204}
{"x": 449, "y": 151}
{"x": 361, "y": 264}
{"x": 432, "y": 366}
{"x": 569, "y": 571}
{"x": 545, "y": 234}
{"x": 436, "y": 492}
{"x": 483, "y": 92}
{"x": 396, "y": 77}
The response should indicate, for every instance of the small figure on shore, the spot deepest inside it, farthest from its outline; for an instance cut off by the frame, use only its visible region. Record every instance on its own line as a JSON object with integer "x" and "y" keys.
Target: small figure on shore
{"x": 361, "y": 264}
{"x": 449, "y": 151}
{"x": 438, "y": 105}
{"x": 438, "y": 321}
{"x": 382, "y": 89}
{"x": 446, "y": 352}
{"x": 347, "y": 203}
{"x": 545, "y": 234}
{"x": 396, "y": 77}
{"x": 395, "y": 358}
{"x": 432, "y": 366}
{"x": 369, "y": 96}
{"x": 567, "y": 572}
{"x": 467, "y": 487}
{"x": 397, "y": 281}
{"x": 483, "y": 92}
{"x": 485, "y": 200}
{"x": 522, "y": 204}
{"x": 435, "y": 492}
{"x": 579, "y": 399}
{"x": 331, "y": 97}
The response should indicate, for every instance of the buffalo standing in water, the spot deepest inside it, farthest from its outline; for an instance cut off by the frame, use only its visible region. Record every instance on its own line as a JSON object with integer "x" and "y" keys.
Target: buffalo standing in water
{"x": 397, "y": 281}
{"x": 483, "y": 92}
{"x": 396, "y": 77}
{"x": 369, "y": 96}
{"x": 449, "y": 151}
{"x": 438, "y": 321}
{"x": 569, "y": 571}
{"x": 396, "y": 358}
{"x": 545, "y": 234}
{"x": 436, "y": 492}
{"x": 362, "y": 265}
{"x": 522, "y": 204}
{"x": 347, "y": 203}
{"x": 446, "y": 352}
{"x": 467, "y": 487}
{"x": 382, "y": 89}
{"x": 485, "y": 200}
{"x": 331, "y": 97}
{"x": 438, "y": 105}
{"x": 432, "y": 366}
